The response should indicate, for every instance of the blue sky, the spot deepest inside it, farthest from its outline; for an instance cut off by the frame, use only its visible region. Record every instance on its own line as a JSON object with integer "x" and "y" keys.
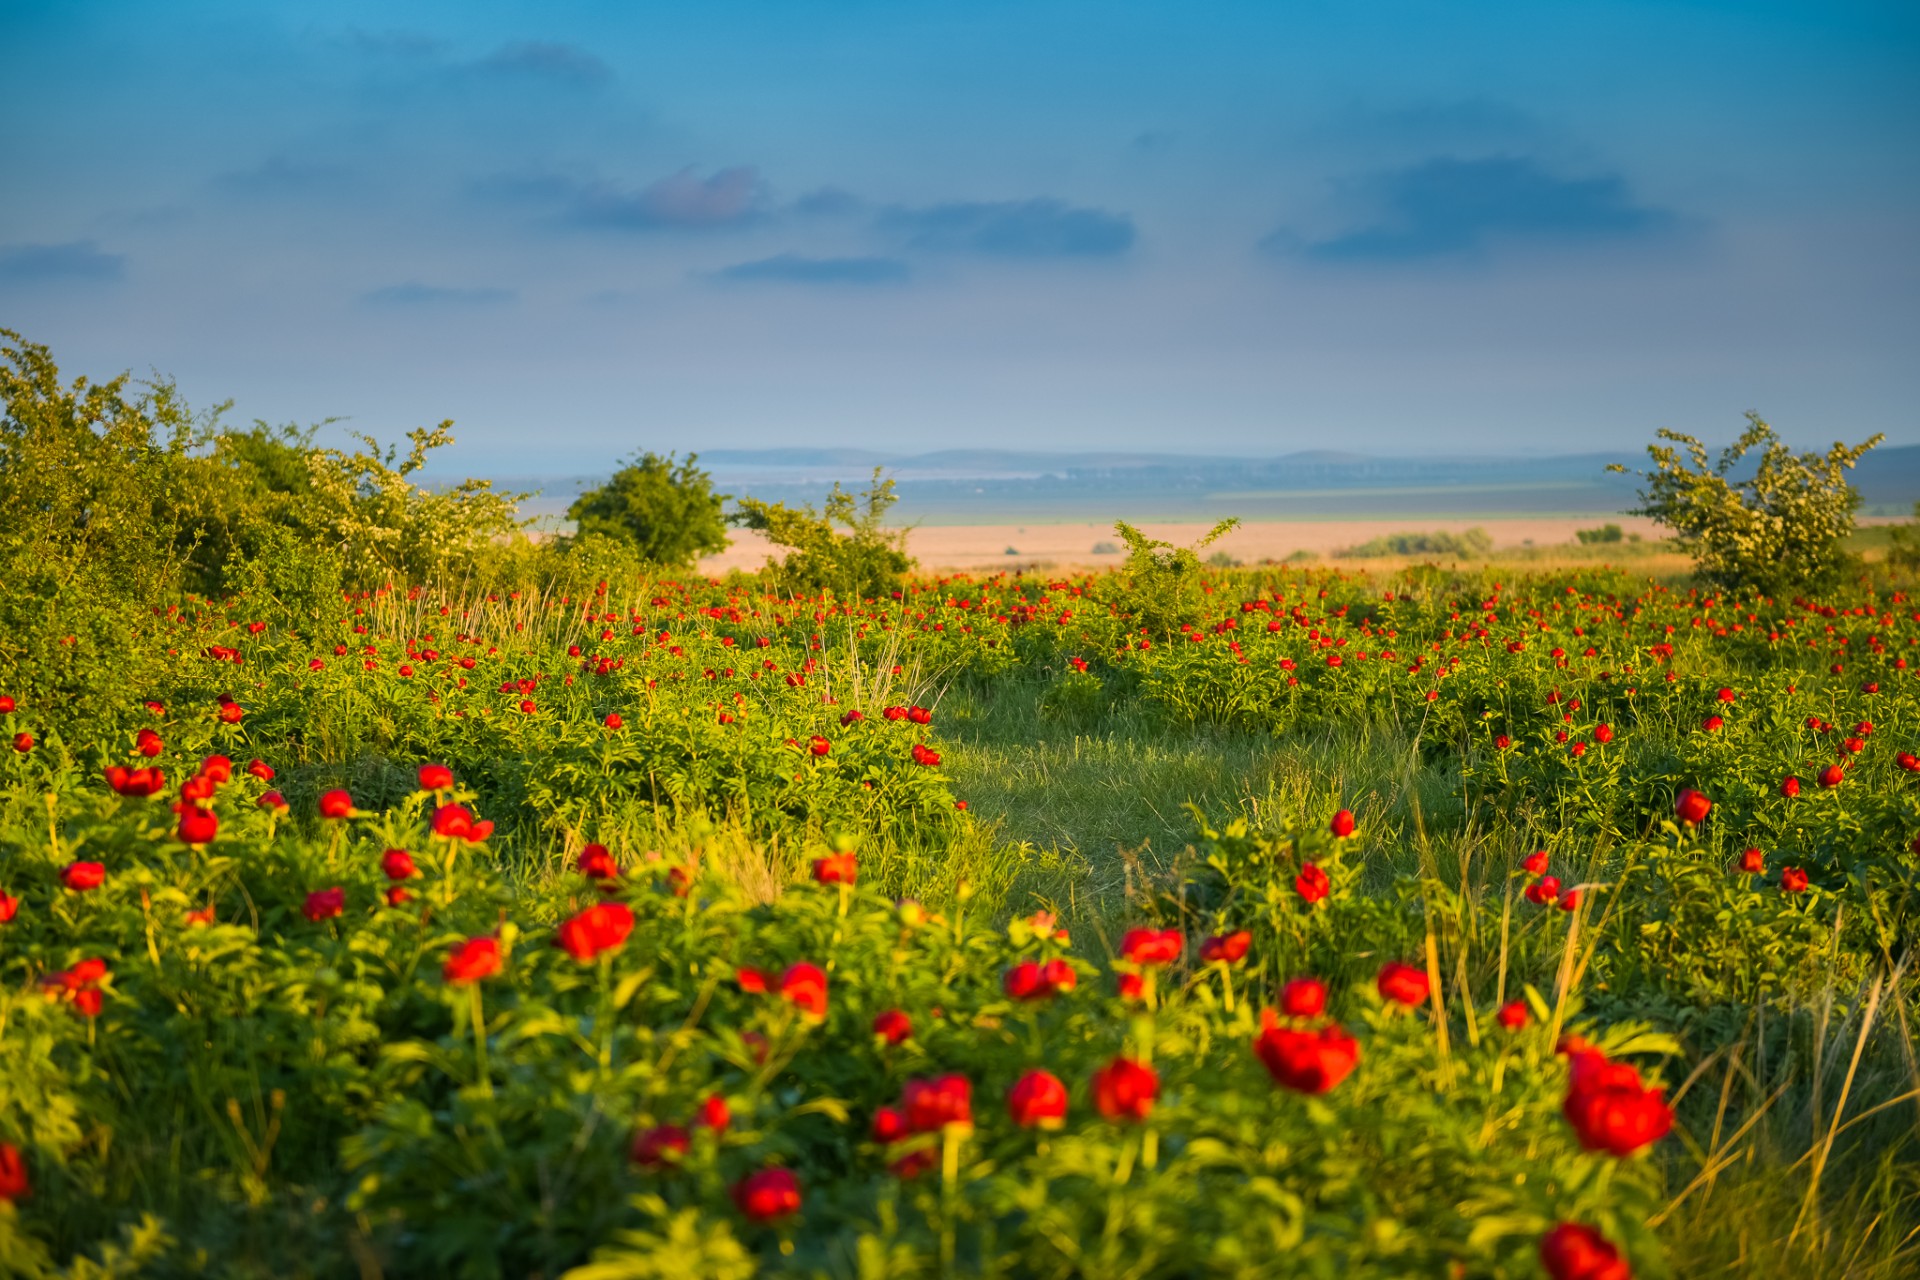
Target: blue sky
{"x": 581, "y": 229}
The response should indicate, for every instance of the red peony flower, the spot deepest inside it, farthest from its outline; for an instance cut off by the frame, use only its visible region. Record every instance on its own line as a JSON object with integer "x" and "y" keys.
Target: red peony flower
{"x": 1536, "y": 862}
{"x": 1226, "y": 948}
{"x": 1312, "y": 883}
{"x": 472, "y": 961}
{"x": 1305, "y": 1061}
{"x": 148, "y": 743}
{"x": 890, "y": 1125}
{"x": 838, "y": 868}
{"x": 1793, "y": 880}
{"x": 141, "y": 782}
{"x": 769, "y": 1195}
{"x": 818, "y": 745}
{"x": 932, "y": 1105}
{"x": 1402, "y": 983}
{"x": 805, "y": 986}
{"x": 324, "y": 904}
{"x": 1342, "y": 824}
{"x": 1151, "y": 947}
{"x": 600, "y": 928}
{"x": 925, "y": 755}
{"x": 1304, "y": 998}
{"x": 919, "y": 715}
{"x": 14, "y": 1182}
{"x": 1574, "y": 1252}
{"x": 435, "y": 777}
{"x": 613, "y": 721}
{"x": 9, "y": 908}
{"x": 751, "y": 981}
{"x": 1831, "y": 776}
{"x": 273, "y": 800}
{"x": 1514, "y": 1015}
{"x": 893, "y": 1026}
{"x": 336, "y": 804}
{"x": 713, "y": 1113}
{"x": 1038, "y": 1100}
{"x": 659, "y": 1147}
{"x": 1608, "y": 1107}
{"x": 1125, "y": 1089}
{"x": 1753, "y": 862}
{"x": 455, "y": 822}
{"x": 198, "y": 825}
{"x": 1543, "y": 890}
{"x": 83, "y": 877}
{"x": 397, "y": 864}
{"x": 1024, "y": 981}
{"x": 1789, "y": 786}
{"x": 1603, "y": 733}
{"x": 595, "y": 863}
{"x": 1691, "y": 807}
{"x": 218, "y": 768}
{"x": 232, "y": 713}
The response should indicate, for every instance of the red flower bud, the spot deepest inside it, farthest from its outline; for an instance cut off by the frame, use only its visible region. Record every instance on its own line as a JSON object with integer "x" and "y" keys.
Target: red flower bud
{"x": 472, "y": 961}
{"x": 769, "y": 1195}
{"x": 1038, "y": 1100}
{"x": 1125, "y": 1089}
{"x": 1402, "y": 983}
{"x": 324, "y": 904}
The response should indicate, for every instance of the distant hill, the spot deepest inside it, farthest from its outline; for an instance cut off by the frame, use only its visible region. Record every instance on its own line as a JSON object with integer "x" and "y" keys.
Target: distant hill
{"x": 964, "y": 486}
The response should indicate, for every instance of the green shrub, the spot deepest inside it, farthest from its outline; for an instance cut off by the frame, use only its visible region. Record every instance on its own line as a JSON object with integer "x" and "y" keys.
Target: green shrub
{"x": 666, "y": 509}
{"x": 1781, "y": 529}
{"x": 866, "y": 560}
{"x": 1605, "y": 533}
{"x": 1473, "y": 544}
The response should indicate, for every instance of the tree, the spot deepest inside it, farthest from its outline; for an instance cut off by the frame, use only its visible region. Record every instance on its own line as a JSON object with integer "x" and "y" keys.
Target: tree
{"x": 866, "y": 560}
{"x": 666, "y": 510}
{"x": 1780, "y": 529}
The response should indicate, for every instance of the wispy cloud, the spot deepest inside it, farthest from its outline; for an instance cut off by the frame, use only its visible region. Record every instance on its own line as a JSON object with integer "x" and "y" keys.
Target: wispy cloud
{"x": 829, "y": 202}
{"x": 791, "y": 268}
{"x": 684, "y": 199}
{"x": 548, "y": 59}
{"x": 283, "y": 174}
{"x": 74, "y": 261}
{"x": 1451, "y": 207}
{"x": 396, "y": 41}
{"x": 414, "y": 294}
{"x": 1014, "y": 229}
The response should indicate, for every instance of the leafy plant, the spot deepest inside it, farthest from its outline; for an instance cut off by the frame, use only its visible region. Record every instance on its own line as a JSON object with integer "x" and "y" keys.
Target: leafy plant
{"x": 1777, "y": 530}
{"x": 1161, "y": 584}
{"x": 846, "y": 548}
{"x": 1470, "y": 544}
{"x": 665, "y": 508}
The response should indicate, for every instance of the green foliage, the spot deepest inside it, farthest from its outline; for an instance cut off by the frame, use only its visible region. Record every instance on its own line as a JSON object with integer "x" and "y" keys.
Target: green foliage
{"x": 865, "y": 560}
{"x": 666, "y": 509}
{"x": 1161, "y": 585}
{"x": 388, "y": 527}
{"x": 1605, "y": 533}
{"x": 1470, "y": 544}
{"x": 1776, "y": 531}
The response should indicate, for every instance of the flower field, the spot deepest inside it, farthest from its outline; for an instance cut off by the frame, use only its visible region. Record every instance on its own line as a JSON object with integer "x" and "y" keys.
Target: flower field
{"x": 652, "y": 928}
